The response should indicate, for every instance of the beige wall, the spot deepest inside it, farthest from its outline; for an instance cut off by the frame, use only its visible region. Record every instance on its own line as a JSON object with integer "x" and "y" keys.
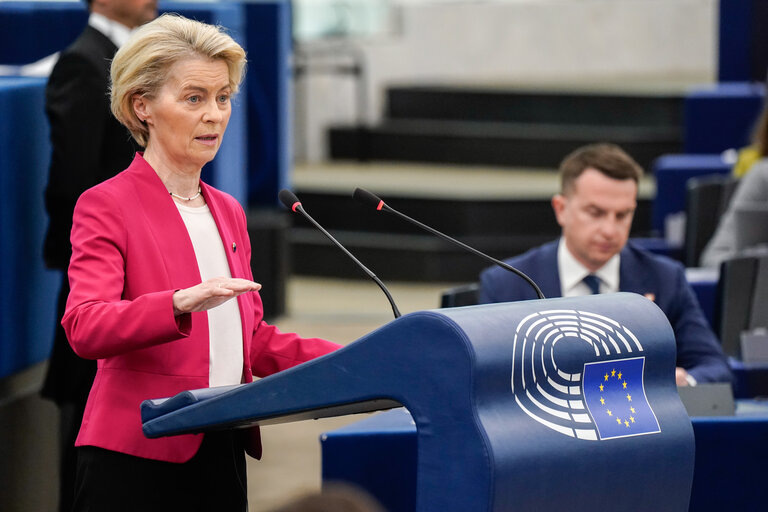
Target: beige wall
{"x": 612, "y": 43}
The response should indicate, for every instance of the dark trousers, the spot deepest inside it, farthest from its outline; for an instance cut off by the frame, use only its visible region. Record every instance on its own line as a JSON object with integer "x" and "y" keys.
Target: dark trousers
{"x": 67, "y": 382}
{"x": 214, "y": 479}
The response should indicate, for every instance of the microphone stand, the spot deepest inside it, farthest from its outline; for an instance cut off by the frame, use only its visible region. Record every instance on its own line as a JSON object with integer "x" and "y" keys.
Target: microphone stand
{"x": 292, "y": 202}
{"x": 364, "y": 196}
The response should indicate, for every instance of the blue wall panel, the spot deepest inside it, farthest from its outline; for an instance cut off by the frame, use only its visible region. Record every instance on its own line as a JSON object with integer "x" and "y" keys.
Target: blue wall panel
{"x": 743, "y": 40}
{"x": 30, "y": 31}
{"x": 27, "y": 290}
{"x": 269, "y": 99}
{"x": 721, "y": 116}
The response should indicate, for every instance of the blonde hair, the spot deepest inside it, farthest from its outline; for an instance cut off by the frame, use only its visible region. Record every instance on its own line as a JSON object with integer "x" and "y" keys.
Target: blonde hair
{"x": 141, "y": 65}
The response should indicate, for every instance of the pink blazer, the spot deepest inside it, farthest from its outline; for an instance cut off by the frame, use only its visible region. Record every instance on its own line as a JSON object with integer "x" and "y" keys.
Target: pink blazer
{"x": 130, "y": 252}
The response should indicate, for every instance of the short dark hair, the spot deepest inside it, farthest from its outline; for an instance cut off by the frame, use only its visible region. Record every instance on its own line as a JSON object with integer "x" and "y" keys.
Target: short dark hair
{"x": 607, "y": 158}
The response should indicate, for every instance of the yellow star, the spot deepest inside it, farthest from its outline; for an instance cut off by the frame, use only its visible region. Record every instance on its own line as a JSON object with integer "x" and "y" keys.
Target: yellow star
{"x": 624, "y": 384}
{"x": 606, "y": 376}
{"x": 632, "y": 409}
{"x": 626, "y": 423}
{"x": 609, "y": 412}
{"x": 629, "y": 397}
{"x": 601, "y": 387}
{"x": 613, "y": 373}
{"x": 632, "y": 419}
{"x": 619, "y": 375}
{"x": 602, "y": 401}
{"x": 618, "y": 420}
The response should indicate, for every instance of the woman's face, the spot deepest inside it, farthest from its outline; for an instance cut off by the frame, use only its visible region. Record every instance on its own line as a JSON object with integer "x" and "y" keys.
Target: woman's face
{"x": 187, "y": 119}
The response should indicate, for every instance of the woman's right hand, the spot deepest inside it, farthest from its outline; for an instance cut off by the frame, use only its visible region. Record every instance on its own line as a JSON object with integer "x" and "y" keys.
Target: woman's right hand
{"x": 211, "y": 293}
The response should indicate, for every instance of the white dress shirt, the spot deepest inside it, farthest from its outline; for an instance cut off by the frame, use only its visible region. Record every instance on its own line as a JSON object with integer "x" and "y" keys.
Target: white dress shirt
{"x": 572, "y": 273}
{"x": 116, "y": 32}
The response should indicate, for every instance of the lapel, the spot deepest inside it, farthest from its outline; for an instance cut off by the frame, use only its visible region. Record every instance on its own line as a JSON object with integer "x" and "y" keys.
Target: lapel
{"x": 95, "y": 37}
{"x": 163, "y": 221}
{"x": 169, "y": 232}
{"x": 633, "y": 275}
{"x": 234, "y": 248}
{"x": 230, "y": 237}
{"x": 548, "y": 271}
{"x": 170, "y": 238}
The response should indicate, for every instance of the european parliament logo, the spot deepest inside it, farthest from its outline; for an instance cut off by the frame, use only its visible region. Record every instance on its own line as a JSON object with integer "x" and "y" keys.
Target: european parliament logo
{"x": 594, "y": 393}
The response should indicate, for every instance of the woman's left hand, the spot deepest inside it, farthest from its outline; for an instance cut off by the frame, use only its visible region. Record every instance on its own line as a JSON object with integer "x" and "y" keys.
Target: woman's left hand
{"x": 210, "y": 293}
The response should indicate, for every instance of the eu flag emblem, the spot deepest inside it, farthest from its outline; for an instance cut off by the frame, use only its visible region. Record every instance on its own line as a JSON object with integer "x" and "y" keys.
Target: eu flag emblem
{"x": 615, "y": 398}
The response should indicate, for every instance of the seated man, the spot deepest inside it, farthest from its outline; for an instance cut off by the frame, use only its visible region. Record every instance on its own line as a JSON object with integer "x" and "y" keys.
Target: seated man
{"x": 595, "y": 207}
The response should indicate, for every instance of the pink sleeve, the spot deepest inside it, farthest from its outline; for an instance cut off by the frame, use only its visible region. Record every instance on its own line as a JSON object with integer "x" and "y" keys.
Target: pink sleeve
{"x": 99, "y": 323}
{"x": 274, "y": 351}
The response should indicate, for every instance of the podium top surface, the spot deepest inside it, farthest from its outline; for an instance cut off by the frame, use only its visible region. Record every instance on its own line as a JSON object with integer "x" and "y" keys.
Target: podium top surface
{"x": 464, "y": 352}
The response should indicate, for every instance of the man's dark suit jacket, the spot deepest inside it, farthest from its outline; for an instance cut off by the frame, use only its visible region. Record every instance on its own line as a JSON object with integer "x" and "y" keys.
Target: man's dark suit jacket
{"x": 698, "y": 350}
{"x": 89, "y": 146}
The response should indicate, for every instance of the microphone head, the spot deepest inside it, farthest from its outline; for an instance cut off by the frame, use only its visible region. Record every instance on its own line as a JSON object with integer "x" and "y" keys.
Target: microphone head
{"x": 363, "y": 196}
{"x": 289, "y": 199}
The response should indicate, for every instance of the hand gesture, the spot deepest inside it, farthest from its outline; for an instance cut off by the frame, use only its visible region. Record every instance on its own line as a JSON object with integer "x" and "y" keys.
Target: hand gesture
{"x": 210, "y": 293}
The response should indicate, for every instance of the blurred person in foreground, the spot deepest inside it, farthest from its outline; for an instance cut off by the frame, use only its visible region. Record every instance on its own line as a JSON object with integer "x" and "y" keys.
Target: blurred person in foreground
{"x": 334, "y": 497}
{"x": 595, "y": 208}
{"x": 88, "y": 146}
{"x": 161, "y": 287}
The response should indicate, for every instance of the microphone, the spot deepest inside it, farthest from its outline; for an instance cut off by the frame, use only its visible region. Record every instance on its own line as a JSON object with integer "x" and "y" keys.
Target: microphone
{"x": 292, "y": 202}
{"x": 369, "y": 199}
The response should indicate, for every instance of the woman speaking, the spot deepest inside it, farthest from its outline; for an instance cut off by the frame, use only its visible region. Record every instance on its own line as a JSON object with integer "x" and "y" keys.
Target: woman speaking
{"x": 161, "y": 286}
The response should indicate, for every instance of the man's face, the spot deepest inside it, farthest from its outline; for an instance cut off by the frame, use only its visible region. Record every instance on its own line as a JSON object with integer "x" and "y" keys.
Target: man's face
{"x": 130, "y": 13}
{"x": 595, "y": 216}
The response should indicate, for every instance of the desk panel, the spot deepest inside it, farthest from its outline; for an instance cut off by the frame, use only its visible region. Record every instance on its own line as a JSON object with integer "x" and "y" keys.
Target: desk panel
{"x": 379, "y": 454}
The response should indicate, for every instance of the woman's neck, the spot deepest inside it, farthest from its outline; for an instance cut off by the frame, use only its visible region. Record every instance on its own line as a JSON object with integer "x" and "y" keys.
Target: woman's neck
{"x": 182, "y": 184}
{"x": 178, "y": 180}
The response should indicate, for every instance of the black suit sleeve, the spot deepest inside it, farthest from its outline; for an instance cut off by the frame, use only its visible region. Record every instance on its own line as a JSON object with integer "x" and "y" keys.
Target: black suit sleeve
{"x": 698, "y": 349}
{"x": 78, "y": 112}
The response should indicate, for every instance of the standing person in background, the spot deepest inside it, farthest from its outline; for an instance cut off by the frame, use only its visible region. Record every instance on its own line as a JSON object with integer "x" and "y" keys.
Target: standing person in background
{"x": 162, "y": 293}
{"x": 595, "y": 208}
{"x": 89, "y": 146}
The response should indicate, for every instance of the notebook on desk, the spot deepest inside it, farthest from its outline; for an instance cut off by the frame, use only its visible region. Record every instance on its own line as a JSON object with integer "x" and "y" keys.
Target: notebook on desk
{"x": 708, "y": 399}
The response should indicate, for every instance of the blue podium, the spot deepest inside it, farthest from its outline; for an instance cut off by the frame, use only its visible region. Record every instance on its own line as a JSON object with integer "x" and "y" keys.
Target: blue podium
{"x": 563, "y": 404}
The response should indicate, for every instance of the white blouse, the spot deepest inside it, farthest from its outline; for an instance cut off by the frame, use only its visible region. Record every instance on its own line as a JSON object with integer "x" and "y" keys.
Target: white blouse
{"x": 225, "y": 333}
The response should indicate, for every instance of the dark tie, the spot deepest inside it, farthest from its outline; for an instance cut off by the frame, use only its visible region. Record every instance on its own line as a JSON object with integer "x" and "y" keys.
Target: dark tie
{"x": 593, "y": 283}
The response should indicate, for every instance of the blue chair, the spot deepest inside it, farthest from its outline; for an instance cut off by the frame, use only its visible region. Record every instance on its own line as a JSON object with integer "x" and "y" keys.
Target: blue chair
{"x": 672, "y": 173}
